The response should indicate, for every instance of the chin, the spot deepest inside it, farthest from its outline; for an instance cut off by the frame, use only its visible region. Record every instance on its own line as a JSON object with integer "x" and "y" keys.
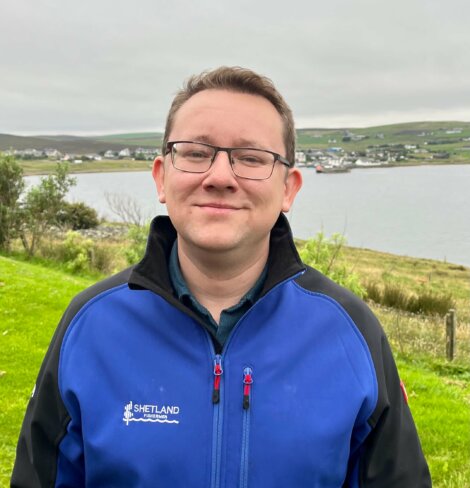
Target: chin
{"x": 216, "y": 245}
{"x": 215, "y": 241}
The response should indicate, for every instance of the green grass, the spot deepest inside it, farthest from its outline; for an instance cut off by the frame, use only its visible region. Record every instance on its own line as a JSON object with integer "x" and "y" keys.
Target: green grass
{"x": 32, "y": 299}
{"x": 44, "y": 166}
{"x": 414, "y": 275}
{"x": 440, "y": 403}
{"x": 34, "y": 296}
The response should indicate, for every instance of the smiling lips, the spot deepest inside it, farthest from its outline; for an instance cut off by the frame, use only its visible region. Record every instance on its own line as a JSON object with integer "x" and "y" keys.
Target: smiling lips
{"x": 218, "y": 206}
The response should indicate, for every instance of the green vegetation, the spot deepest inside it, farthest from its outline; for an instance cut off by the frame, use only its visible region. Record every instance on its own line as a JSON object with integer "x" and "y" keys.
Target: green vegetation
{"x": 11, "y": 188}
{"x": 425, "y": 302}
{"x": 28, "y": 216}
{"x": 439, "y": 402}
{"x": 406, "y": 133}
{"x": 142, "y": 139}
{"x": 34, "y": 294}
{"x": 137, "y": 241}
{"x": 70, "y": 144}
{"x": 42, "y": 206}
{"x": 43, "y": 167}
{"x": 78, "y": 254}
{"x": 413, "y": 275}
{"x": 327, "y": 256}
{"x": 78, "y": 216}
{"x": 323, "y": 254}
{"x": 32, "y": 299}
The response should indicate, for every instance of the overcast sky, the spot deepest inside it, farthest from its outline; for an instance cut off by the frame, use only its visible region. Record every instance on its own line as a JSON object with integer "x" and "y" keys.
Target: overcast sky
{"x": 100, "y": 66}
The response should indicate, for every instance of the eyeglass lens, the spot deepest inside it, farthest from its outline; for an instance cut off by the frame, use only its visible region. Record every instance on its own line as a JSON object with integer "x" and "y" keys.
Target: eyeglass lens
{"x": 246, "y": 162}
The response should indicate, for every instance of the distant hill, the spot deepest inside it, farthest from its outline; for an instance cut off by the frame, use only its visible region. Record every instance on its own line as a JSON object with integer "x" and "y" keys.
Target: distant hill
{"x": 453, "y": 135}
{"x": 80, "y": 145}
{"x": 445, "y": 135}
{"x": 142, "y": 139}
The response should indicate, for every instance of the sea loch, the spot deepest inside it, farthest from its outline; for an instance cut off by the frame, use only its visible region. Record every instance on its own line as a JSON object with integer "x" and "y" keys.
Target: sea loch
{"x": 421, "y": 211}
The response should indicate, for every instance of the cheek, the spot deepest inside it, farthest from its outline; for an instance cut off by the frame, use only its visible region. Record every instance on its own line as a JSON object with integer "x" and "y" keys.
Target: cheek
{"x": 180, "y": 190}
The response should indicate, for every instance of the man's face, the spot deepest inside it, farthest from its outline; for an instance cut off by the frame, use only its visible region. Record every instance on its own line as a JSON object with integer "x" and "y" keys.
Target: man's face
{"x": 216, "y": 210}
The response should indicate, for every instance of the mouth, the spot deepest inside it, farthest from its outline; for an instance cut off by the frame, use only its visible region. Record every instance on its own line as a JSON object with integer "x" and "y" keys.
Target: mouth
{"x": 214, "y": 208}
{"x": 218, "y": 206}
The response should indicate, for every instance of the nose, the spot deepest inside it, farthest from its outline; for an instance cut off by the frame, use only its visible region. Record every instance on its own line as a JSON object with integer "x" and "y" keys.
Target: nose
{"x": 220, "y": 174}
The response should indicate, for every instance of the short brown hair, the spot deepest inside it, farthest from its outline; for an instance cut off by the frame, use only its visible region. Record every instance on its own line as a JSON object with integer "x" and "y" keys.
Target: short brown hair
{"x": 240, "y": 80}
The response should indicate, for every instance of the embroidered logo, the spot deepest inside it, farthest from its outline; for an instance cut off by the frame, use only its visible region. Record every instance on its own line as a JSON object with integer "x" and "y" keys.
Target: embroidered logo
{"x": 163, "y": 414}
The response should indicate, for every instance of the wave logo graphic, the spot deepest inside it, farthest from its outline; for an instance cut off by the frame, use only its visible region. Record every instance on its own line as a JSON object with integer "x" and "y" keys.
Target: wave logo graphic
{"x": 139, "y": 412}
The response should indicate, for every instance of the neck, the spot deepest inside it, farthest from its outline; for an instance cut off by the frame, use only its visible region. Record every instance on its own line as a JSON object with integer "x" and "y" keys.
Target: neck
{"x": 217, "y": 280}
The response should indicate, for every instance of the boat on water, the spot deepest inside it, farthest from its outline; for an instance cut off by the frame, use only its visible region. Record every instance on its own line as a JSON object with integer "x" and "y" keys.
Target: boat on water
{"x": 326, "y": 168}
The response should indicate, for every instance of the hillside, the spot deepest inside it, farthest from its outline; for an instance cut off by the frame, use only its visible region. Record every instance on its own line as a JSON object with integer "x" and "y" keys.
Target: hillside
{"x": 436, "y": 136}
{"x": 72, "y": 144}
{"x": 450, "y": 136}
{"x": 140, "y": 139}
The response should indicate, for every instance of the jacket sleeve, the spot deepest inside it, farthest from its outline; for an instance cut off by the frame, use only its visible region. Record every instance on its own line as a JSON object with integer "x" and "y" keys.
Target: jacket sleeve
{"x": 45, "y": 422}
{"x": 391, "y": 455}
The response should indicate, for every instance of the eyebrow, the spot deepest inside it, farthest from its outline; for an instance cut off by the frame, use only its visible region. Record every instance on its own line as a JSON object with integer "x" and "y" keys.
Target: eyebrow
{"x": 239, "y": 142}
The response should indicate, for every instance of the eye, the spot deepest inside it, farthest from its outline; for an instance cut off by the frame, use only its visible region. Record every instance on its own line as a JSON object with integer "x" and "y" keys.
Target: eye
{"x": 251, "y": 157}
{"x": 193, "y": 152}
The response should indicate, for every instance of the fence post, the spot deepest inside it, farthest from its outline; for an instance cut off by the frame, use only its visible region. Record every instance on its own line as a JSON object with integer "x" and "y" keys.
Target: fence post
{"x": 451, "y": 323}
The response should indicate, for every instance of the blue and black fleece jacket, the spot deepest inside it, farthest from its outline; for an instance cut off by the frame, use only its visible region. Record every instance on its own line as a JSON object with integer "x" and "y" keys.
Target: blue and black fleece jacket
{"x": 135, "y": 391}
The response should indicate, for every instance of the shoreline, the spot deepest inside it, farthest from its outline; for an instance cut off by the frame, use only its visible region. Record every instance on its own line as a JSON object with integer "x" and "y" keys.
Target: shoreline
{"x": 130, "y": 166}
{"x": 45, "y": 167}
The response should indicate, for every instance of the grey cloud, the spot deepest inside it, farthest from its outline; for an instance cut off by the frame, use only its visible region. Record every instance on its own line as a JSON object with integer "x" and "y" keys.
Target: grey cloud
{"x": 114, "y": 65}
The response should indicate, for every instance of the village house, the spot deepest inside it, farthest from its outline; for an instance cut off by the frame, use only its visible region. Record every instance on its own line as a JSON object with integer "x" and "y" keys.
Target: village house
{"x": 53, "y": 153}
{"x": 300, "y": 157}
{"x": 110, "y": 154}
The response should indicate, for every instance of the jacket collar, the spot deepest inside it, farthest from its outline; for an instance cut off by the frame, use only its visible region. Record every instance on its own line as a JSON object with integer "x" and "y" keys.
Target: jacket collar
{"x": 152, "y": 272}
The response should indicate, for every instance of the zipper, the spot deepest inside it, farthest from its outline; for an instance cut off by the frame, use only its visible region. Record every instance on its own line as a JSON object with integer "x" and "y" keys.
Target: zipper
{"x": 247, "y": 387}
{"x": 247, "y": 382}
{"x": 217, "y": 421}
{"x": 217, "y": 401}
{"x": 217, "y": 378}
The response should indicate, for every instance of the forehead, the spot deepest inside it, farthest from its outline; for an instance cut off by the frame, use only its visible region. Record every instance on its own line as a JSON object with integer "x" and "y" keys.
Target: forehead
{"x": 225, "y": 116}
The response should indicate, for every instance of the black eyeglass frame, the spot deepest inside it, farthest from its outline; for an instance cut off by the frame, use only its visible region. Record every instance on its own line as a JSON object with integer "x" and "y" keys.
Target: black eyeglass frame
{"x": 228, "y": 150}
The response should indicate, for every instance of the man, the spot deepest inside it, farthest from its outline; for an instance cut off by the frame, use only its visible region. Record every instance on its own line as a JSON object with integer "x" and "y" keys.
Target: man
{"x": 220, "y": 360}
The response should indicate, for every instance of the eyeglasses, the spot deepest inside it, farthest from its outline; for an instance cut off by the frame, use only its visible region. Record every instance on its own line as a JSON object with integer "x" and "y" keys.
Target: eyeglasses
{"x": 246, "y": 162}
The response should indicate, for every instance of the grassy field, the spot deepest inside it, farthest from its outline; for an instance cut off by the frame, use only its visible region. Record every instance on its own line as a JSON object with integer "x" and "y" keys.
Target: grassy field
{"x": 33, "y": 297}
{"x": 43, "y": 167}
{"x": 413, "y": 274}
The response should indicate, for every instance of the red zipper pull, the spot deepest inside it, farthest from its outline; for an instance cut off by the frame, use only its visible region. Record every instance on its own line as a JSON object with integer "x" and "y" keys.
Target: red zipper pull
{"x": 217, "y": 377}
{"x": 247, "y": 382}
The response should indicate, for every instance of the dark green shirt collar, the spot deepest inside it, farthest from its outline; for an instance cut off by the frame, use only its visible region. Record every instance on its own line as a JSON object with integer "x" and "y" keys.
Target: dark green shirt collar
{"x": 230, "y": 316}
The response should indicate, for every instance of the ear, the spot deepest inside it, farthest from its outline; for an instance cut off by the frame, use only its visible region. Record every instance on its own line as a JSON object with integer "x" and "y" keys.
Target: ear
{"x": 292, "y": 185}
{"x": 158, "y": 173}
